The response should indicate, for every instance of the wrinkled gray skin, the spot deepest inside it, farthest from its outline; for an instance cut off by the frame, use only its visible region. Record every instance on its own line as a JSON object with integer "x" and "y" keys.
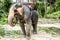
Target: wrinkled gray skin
{"x": 28, "y": 17}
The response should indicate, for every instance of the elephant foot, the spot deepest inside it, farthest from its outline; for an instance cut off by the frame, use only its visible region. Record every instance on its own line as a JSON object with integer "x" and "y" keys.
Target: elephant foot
{"x": 34, "y": 32}
{"x": 28, "y": 38}
{"x": 24, "y": 35}
{"x": 28, "y": 35}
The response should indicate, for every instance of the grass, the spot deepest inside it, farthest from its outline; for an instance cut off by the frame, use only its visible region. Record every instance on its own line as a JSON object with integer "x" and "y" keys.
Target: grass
{"x": 16, "y": 33}
{"x": 2, "y": 31}
{"x": 3, "y": 21}
{"x": 51, "y": 30}
{"x": 9, "y": 33}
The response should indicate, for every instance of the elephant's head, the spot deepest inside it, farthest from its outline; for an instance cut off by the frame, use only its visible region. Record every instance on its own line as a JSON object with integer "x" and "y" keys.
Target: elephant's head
{"x": 11, "y": 16}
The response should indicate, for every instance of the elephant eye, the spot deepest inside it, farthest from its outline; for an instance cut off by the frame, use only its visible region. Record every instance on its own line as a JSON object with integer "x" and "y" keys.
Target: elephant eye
{"x": 15, "y": 10}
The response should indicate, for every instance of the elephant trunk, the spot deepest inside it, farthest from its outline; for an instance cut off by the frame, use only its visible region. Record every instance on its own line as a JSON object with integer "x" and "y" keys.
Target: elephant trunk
{"x": 10, "y": 21}
{"x": 11, "y": 18}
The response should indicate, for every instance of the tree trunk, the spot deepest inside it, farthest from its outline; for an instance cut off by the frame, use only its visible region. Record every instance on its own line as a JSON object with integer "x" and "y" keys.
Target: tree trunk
{"x": 45, "y": 4}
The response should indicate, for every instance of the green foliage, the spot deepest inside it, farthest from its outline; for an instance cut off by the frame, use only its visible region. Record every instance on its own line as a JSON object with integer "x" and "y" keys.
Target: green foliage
{"x": 3, "y": 18}
{"x": 57, "y": 5}
{"x": 51, "y": 30}
{"x": 41, "y": 9}
{"x": 5, "y": 5}
{"x": 18, "y": 32}
{"x": 9, "y": 33}
{"x": 2, "y": 31}
{"x": 51, "y": 1}
{"x": 3, "y": 21}
{"x": 13, "y": 33}
{"x": 55, "y": 15}
{"x": 48, "y": 8}
{"x": 4, "y": 8}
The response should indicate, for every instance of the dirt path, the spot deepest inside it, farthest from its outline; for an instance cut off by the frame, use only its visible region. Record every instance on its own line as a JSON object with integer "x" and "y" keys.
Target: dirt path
{"x": 57, "y": 25}
{"x": 42, "y": 35}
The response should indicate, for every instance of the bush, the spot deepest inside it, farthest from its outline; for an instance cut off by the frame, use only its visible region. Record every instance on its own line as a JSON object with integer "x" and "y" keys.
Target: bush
{"x": 4, "y": 8}
{"x": 3, "y": 18}
{"x": 55, "y": 15}
{"x": 41, "y": 9}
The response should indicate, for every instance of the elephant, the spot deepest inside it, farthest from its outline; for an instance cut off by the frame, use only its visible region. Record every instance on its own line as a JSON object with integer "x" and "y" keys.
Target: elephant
{"x": 25, "y": 15}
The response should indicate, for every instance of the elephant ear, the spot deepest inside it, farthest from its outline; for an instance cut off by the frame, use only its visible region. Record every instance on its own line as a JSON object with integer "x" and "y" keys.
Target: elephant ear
{"x": 20, "y": 10}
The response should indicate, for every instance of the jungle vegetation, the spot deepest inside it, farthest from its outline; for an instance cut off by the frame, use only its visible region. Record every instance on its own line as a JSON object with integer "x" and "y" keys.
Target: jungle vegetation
{"x": 45, "y": 8}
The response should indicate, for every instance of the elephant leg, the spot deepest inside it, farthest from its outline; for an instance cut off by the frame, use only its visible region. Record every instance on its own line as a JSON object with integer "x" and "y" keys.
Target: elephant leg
{"x": 23, "y": 28}
{"x": 34, "y": 24}
{"x": 28, "y": 26}
{"x": 34, "y": 28}
{"x": 34, "y": 19}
